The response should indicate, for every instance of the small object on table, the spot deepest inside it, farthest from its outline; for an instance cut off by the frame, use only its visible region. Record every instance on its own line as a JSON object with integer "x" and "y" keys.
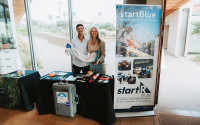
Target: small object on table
{"x": 71, "y": 78}
{"x": 19, "y": 73}
{"x": 104, "y": 77}
{"x": 23, "y": 72}
{"x": 52, "y": 74}
{"x": 89, "y": 73}
{"x": 103, "y": 81}
{"x": 61, "y": 73}
{"x": 94, "y": 77}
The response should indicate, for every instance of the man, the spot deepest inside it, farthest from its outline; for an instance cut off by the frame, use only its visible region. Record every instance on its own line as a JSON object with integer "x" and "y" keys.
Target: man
{"x": 80, "y": 43}
{"x": 148, "y": 72}
{"x": 123, "y": 40}
{"x": 123, "y": 35}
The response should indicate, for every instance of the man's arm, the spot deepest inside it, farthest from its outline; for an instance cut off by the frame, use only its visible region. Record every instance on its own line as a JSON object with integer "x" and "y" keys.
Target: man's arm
{"x": 131, "y": 43}
{"x": 72, "y": 54}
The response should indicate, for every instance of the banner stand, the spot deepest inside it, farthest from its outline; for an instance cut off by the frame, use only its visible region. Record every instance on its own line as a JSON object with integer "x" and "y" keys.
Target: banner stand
{"x": 137, "y": 43}
{"x": 135, "y": 114}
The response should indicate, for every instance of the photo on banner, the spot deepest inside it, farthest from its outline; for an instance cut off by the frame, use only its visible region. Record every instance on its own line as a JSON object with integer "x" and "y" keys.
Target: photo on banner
{"x": 137, "y": 39}
{"x": 143, "y": 68}
{"x": 136, "y": 32}
{"x": 126, "y": 78}
{"x": 124, "y": 65}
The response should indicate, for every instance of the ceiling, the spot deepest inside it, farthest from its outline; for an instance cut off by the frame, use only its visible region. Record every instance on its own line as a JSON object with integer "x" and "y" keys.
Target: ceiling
{"x": 173, "y": 5}
{"x": 19, "y": 10}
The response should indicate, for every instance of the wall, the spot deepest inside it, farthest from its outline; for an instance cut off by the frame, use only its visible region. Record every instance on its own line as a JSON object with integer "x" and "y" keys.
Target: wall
{"x": 173, "y": 21}
{"x": 134, "y": 1}
{"x": 189, "y": 37}
{"x": 148, "y": 2}
{"x": 166, "y": 31}
{"x": 192, "y": 41}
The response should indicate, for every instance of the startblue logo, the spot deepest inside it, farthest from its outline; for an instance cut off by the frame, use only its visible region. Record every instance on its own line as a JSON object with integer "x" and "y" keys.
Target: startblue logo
{"x": 62, "y": 95}
{"x": 139, "y": 89}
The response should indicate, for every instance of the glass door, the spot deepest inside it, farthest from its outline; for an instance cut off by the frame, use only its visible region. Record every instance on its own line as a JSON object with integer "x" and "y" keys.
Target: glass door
{"x": 51, "y": 32}
{"x": 102, "y": 15}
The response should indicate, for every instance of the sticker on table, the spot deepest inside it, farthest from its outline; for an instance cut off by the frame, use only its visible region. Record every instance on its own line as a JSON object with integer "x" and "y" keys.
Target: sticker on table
{"x": 62, "y": 97}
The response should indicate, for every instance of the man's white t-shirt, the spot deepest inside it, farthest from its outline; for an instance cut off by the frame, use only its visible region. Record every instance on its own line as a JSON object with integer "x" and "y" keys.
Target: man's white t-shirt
{"x": 81, "y": 47}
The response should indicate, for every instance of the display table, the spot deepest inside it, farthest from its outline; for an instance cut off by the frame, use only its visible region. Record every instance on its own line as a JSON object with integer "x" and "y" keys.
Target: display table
{"x": 18, "y": 91}
{"x": 95, "y": 99}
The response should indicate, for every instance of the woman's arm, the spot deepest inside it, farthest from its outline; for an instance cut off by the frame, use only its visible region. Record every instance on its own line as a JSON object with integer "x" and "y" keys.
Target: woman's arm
{"x": 102, "y": 49}
{"x": 88, "y": 46}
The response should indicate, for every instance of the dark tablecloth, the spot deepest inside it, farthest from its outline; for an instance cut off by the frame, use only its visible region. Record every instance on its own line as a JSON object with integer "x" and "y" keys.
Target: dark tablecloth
{"x": 95, "y": 99}
{"x": 19, "y": 91}
{"x": 95, "y": 102}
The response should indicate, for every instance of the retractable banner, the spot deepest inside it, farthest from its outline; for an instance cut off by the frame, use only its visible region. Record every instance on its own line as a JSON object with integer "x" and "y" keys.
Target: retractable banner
{"x": 137, "y": 40}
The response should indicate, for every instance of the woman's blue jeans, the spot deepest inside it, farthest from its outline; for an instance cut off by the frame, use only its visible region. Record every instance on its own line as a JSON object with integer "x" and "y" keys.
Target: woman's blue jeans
{"x": 96, "y": 68}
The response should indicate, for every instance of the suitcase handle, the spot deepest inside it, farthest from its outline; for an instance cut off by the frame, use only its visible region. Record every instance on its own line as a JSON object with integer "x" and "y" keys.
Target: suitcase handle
{"x": 76, "y": 98}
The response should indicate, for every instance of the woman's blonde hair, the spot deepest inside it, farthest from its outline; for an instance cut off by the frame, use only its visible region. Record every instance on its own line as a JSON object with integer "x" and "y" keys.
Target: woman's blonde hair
{"x": 98, "y": 39}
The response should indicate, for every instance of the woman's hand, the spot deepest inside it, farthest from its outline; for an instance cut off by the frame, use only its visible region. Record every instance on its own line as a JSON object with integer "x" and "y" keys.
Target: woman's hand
{"x": 98, "y": 61}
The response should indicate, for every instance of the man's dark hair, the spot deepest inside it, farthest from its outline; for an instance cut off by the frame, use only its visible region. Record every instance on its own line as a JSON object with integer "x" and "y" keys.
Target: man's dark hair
{"x": 79, "y": 25}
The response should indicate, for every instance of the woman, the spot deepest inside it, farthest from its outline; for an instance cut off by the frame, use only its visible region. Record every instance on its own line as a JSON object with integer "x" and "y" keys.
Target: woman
{"x": 95, "y": 44}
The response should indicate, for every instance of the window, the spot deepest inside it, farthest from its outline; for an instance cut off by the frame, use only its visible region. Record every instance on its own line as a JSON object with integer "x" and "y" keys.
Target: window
{"x": 101, "y": 14}
{"x": 14, "y": 52}
{"x": 51, "y": 32}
